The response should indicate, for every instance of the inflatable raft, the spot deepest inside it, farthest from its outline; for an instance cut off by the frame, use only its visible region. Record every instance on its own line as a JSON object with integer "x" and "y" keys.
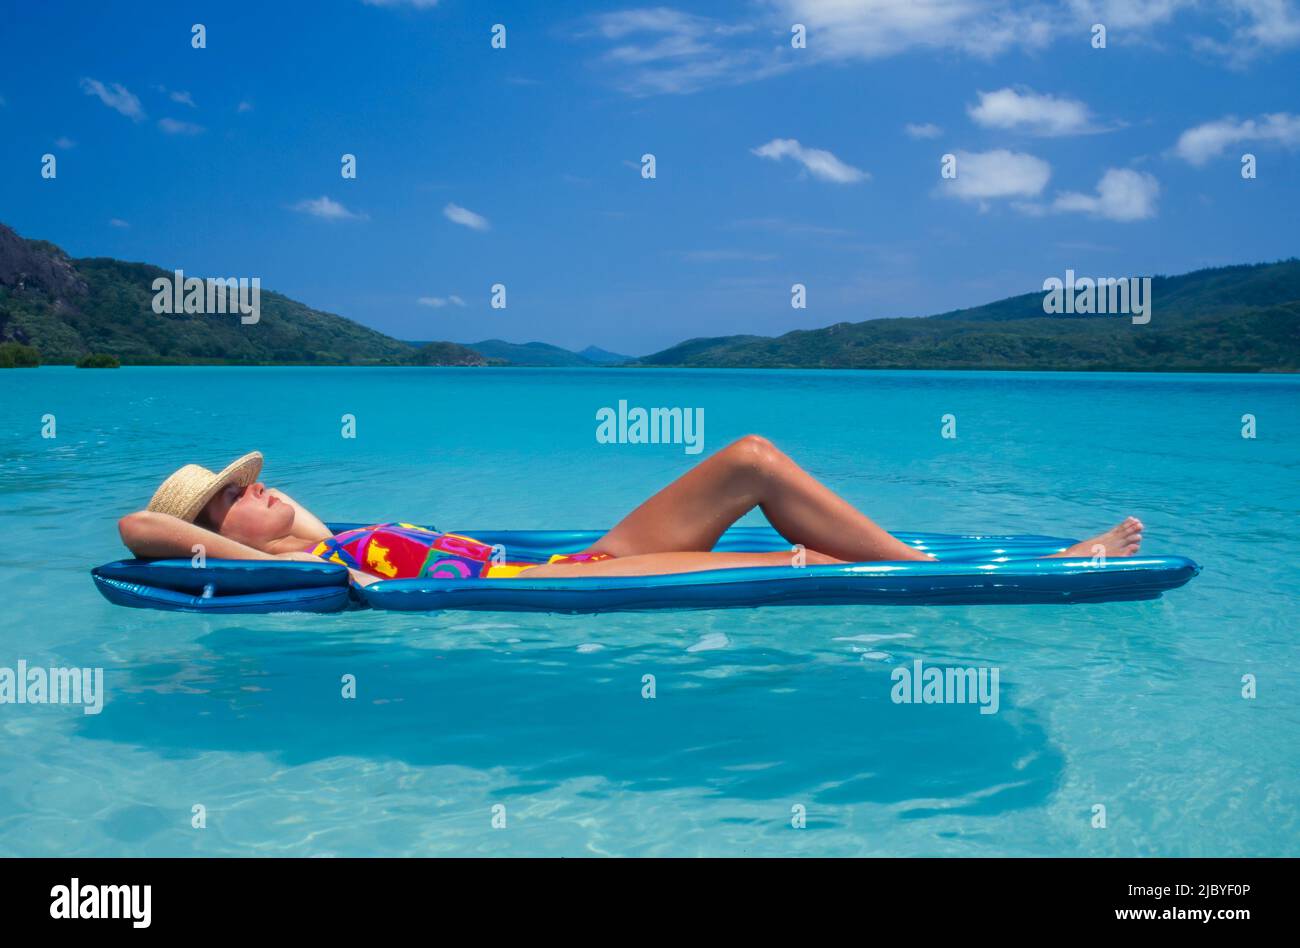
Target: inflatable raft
{"x": 971, "y": 570}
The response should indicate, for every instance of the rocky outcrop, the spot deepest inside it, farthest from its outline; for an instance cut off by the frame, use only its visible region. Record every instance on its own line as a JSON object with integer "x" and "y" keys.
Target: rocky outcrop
{"x": 37, "y": 265}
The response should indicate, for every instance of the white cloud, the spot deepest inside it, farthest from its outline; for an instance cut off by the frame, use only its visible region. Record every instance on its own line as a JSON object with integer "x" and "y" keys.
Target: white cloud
{"x": 660, "y": 50}
{"x": 1198, "y": 145}
{"x": 1252, "y": 25}
{"x": 327, "y": 208}
{"x": 666, "y": 51}
{"x": 174, "y": 127}
{"x": 176, "y": 95}
{"x": 1122, "y": 195}
{"x": 663, "y": 50}
{"x": 117, "y": 222}
{"x": 922, "y": 130}
{"x": 460, "y": 215}
{"x": 623, "y": 23}
{"x": 1028, "y": 110}
{"x": 1268, "y": 22}
{"x": 63, "y": 141}
{"x": 818, "y": 163}
{"x": 1129, "y": 14}
{"x": 118, "y": 98}
{"x": 985, "y": 175}
{"x": 874, "y": 29}
{"x": 676, "y": 34}
{"x": 438, "y": 302}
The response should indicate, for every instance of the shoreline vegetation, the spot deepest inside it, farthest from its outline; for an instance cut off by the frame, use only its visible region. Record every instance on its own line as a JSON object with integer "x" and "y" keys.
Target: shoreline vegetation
{"x": 97, "y": 313}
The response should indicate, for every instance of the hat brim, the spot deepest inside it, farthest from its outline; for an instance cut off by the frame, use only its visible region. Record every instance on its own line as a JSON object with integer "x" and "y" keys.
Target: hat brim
{"x": 242, "y": 471}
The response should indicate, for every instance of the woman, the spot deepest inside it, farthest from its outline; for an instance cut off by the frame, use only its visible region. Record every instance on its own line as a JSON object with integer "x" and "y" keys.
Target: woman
{"x": 234, "y": 516}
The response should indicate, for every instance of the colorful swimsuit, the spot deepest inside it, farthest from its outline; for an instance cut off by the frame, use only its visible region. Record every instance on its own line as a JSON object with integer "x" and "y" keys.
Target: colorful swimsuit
{"x": 406, "y": 551}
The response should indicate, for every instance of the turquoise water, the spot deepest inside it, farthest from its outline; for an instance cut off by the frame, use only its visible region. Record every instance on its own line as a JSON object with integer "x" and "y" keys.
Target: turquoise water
{"x": 1133, "y": 706}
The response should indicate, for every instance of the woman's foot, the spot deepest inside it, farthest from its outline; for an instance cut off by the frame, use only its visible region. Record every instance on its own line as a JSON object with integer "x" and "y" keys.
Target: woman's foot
{"x": 1123, "y": 539}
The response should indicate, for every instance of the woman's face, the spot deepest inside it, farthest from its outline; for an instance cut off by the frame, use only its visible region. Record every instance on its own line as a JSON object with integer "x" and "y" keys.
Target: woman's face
{"x": 251, "y": 515}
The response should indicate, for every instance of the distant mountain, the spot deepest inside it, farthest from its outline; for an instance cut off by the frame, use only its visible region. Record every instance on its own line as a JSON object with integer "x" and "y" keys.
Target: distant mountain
{"x": 445, "y": 353}
{"x": 700, "y": 350}
{"x": 604, "y": 356}
{"x": 1238, "y": 319}
{"x": 528, "y": 353}
{"x": 500, "y": 352}
{"x": 69, "y": 308}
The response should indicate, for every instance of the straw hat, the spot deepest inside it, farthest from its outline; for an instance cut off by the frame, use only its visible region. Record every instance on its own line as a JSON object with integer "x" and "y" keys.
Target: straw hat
{"x": 188, "y": 491}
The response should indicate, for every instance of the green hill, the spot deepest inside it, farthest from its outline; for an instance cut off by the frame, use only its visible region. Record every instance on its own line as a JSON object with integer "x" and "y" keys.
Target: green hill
{"x": 69, "y": 308}
{"x": 1238, "y": 319}
{"x": 604, "y": 356}
{"x": 528, "y": 353}
{"x": 545, "y": 354}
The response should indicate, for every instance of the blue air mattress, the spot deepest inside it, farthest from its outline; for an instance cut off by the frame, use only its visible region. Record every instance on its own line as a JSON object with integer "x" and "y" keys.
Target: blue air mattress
{"x": 226, "y": 586}
{"x": 971, "y": 570}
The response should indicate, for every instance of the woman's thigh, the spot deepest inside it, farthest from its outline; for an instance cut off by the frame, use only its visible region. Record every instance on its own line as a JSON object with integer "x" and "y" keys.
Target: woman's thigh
{"x": 659, "y": 564}
{"x": 692, "y": 512}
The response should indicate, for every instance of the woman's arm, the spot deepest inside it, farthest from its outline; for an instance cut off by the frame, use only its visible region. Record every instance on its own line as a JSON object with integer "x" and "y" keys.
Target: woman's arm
{"x": 154, "y": 535}
{"x": 305, "y": 523}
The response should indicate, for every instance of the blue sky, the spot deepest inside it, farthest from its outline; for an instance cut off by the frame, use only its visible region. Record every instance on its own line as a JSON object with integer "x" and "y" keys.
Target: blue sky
{"x": 774, "y": 165}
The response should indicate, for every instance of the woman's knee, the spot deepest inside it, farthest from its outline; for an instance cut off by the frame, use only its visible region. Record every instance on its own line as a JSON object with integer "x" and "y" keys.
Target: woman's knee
{"x": 753, "y": 451}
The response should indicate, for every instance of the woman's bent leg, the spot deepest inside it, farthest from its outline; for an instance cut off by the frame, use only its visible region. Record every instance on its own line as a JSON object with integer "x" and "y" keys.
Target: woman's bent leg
{"x": 691, "y": 513}
{"x": 660, "y": 564}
